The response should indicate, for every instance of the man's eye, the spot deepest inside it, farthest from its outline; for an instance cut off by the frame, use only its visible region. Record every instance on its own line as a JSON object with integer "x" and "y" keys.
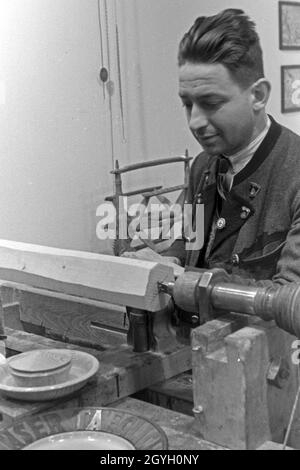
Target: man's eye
{"x": 187, "y": 105}
{"x": 212, "y": 104}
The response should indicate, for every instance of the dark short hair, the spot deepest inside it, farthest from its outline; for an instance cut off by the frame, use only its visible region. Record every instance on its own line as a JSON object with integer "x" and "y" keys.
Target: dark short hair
{"x": 229, "y": 38}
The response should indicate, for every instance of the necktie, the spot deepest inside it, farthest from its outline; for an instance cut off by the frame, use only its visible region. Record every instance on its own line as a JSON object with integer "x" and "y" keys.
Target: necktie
{"x": 225, "y": 177}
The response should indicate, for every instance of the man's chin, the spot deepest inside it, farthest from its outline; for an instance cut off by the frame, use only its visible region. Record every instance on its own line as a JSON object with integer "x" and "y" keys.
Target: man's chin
{"x": 212, "y": 149}
{"x": 213, "y": 145}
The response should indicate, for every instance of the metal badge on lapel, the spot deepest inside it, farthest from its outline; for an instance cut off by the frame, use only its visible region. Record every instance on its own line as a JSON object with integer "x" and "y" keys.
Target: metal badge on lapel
{"x": 254, "y": 190}
{"x": 200, "y": 198}
{"x": 221, "y": 223}
{"x": 245, "y": 212}
{"x": 206, "y": 180}
{"x": 235, "y": 259}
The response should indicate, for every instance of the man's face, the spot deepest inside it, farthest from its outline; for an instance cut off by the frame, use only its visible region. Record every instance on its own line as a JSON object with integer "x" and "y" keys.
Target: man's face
{"x": 219, "y": 111}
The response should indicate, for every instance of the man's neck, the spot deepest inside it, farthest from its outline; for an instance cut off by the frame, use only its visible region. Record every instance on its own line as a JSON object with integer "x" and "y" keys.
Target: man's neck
{"x": 260, "y": 126}
{"x": 240, "y": 159}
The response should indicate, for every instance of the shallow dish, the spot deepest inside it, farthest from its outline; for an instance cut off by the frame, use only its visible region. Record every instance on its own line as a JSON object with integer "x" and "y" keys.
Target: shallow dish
{"x": 67, "y": 424}
{"x": 83, "y": 367}
{"x": 82, "y": 440}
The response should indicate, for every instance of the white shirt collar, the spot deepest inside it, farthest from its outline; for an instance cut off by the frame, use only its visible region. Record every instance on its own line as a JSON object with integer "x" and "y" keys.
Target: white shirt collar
{"x": 240, "y": 159}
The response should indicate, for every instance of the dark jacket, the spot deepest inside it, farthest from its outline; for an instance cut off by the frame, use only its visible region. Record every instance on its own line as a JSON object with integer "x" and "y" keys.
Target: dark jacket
{"x": 261, "y": 239}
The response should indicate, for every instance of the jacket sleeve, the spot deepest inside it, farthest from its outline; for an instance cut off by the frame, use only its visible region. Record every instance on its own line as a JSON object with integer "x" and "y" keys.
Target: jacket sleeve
{"x": 177, "y": 249}
{"x": 288, "y": 266}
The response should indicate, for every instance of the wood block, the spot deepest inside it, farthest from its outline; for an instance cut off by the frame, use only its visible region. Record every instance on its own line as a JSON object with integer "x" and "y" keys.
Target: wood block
{"x": 12, "y": 316}
{"x": 63, "y": 317}
{"x": 7, "y": 295}
{"x": 75, "y": 322}
{"x": 121, "y": 281}
{"x": 236, "y": 402}
{"x": 112, "y": 315}
{"x": 211, "y": 335}
{"x": 248, "y": 361}
{"x": 281, "y": 399}
{"x": 230, "y": 390}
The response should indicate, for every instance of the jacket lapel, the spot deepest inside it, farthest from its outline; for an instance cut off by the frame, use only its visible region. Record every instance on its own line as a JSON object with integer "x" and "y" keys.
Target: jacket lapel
{"x": 236, "y": 211}
{"x": 204, "y": 194}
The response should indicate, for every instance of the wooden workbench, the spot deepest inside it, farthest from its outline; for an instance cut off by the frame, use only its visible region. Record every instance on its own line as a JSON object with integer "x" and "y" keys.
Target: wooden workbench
{"x": 180, "y": 428}
{"x": 92, "y": 325}
{"x": 149, "y": 376}
{"x": 177, "y": 426}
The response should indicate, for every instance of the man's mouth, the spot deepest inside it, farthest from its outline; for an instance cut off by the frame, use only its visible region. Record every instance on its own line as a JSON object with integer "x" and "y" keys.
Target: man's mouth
{"x": 209, "y": 136}
{"x": 206, "y": 138}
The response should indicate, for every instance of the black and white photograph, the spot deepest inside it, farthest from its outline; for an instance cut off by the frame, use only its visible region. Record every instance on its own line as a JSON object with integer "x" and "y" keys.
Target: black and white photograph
{"x": 290, "y": 82}
{"x": 149, "y": 229}
{"x": 289, "y": 25}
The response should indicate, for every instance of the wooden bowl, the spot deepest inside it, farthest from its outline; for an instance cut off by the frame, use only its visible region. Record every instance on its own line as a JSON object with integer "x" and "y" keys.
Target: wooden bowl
{"x": 39, "y": 368}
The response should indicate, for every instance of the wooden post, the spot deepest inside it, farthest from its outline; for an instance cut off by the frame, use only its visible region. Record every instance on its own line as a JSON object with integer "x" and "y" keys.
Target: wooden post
{"x": 238, "y": 402}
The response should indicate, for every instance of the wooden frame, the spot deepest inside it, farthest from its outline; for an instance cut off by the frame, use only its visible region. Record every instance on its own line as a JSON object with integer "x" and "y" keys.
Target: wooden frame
{"x": 289, "y": 25}
{"x": 290, "y": 88}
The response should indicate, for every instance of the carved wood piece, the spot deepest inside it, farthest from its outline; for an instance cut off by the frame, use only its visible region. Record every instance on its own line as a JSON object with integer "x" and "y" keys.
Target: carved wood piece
{"x": 119, "y": 281}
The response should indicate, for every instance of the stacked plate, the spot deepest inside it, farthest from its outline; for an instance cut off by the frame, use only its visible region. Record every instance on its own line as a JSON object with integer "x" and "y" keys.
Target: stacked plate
{"x": 40, "y": 368}
{"x": 46, "y": 374}
{"x": 83, "y": 429}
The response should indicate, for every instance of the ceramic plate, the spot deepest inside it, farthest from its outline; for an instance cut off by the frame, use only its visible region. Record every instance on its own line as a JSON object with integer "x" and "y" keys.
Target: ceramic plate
{"x": 40, "y": 360}
{"x": 82, "y": 440}
{"x": 83, "y": 428}
{"x": 83, "y": 367}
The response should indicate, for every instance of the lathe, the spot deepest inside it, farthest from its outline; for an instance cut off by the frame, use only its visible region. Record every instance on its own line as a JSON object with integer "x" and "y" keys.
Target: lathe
{"x": 242, "y": 340}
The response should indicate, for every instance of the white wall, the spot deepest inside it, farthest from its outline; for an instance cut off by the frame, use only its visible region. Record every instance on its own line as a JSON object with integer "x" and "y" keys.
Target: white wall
{"x": 55, "y": 138}
{"x": 161, "y": 24}
{"x": 152, "y": 30}
{"x": 54, "y": 154}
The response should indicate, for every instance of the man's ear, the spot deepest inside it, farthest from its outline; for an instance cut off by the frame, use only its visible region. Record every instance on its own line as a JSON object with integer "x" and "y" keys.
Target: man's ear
{"x": 260, "y": 92}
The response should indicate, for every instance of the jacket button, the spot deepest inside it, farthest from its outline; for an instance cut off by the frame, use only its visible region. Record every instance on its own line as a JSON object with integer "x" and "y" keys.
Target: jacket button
{"x": 235, "y": 260}
{"x": 221, "y": 223}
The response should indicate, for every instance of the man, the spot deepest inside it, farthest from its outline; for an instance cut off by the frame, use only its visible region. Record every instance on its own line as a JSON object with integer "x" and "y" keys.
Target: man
{"x": 248, "y": 175}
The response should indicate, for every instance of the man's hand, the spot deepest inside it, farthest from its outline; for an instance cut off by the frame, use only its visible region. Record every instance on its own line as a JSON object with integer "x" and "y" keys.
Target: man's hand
{"x": 149, "y": 255}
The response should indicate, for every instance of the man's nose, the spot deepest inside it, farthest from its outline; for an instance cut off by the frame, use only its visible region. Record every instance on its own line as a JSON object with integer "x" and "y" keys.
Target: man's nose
{"x": 198, "y": 118}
